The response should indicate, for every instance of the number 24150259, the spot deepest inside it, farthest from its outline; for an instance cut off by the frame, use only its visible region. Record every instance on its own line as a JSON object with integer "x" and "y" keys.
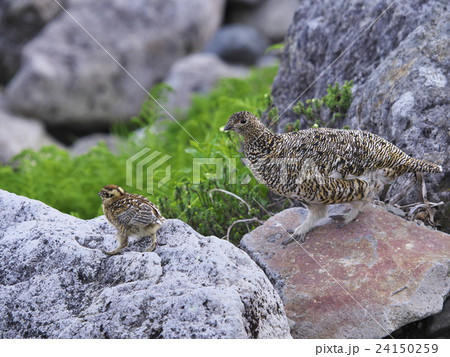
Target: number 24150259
{"x": 407, "y": 348}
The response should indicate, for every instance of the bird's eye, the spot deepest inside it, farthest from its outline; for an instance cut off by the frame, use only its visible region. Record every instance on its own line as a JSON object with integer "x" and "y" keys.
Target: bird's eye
{"x": 243, "y": 121}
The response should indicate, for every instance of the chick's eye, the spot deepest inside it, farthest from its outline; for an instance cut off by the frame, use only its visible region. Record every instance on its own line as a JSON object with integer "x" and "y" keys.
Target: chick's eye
{"x": 243, "y": 121}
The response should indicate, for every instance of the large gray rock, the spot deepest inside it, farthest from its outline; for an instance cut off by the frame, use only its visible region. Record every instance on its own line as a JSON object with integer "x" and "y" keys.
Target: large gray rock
{"x": 66, "y": 78}
{"x": 18, "y": 133}
{"x": 406, "y": 100}
{"x": 364, "y": 280}
{"x": 56, "y": 282}
{"x": 239, "y": 44}
{"x": 322, "y": 31}
{"x": 82, "y": 145}
{"x": 271, "y": 17}
{"x": 198, "y": 74}
{"x": 20, "y": 21}
{"x": 399, "y": 67}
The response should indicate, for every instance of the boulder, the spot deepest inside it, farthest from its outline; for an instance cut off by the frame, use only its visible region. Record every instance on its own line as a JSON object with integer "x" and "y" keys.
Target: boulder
{"x": 85, "y": 143}
{"x": 55, "y": 281}
{"x": 406, "y": 101}
{"x": 67, "y": 79}
{"x": 271, "y": 17}
{"x": 363, "y": 280}
{"x": 399, "y": 67}
{"x": 20, "y": 21}
{"x": 197, "y": 73}
{"x": 19, "y": 133}
{"x": 238, "y": 44}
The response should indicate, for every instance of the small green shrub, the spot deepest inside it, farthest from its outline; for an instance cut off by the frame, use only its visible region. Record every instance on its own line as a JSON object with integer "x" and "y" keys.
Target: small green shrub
{"x": 211, "y": 210}
{"x": 327, "y": 111}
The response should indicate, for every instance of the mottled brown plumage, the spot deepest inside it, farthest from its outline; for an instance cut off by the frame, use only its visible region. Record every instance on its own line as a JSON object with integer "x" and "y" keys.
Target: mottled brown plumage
{"x": 131, "y": 214}
{"x": 322, "y": 166}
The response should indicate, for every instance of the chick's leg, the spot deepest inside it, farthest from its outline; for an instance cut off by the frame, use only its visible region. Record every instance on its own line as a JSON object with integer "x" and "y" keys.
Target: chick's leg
{"x": 123, "y": 242}
{"x": 153, "y": 236}
{"x": 153, "y": 245}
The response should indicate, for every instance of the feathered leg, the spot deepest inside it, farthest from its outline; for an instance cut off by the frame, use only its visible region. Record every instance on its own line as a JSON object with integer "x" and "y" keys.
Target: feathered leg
{"x": 153, "y": 235}
{"x": 316, "y": 211}
{"x": 123, "y": 243}
{"x": 357, "y": 207}
{"x": 153, "y": 245}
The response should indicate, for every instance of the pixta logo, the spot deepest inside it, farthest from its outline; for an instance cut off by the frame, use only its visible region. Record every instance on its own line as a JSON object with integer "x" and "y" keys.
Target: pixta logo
{"x": 144, "y": 164}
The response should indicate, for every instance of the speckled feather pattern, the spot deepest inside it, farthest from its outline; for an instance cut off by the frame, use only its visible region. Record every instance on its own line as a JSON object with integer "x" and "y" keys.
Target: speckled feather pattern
{"x": 132, "y": 212}
{"x": 322, "y": 165}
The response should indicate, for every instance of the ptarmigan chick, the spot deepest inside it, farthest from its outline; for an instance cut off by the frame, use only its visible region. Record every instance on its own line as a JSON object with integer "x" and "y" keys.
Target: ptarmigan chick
{"x": 131, "y": 214}
{"x": 322, "y": 166}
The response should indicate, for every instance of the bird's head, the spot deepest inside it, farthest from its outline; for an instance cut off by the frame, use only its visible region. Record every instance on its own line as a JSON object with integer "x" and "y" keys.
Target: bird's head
{"x": 111, "y": 193}
{"x": 243, "y": 123}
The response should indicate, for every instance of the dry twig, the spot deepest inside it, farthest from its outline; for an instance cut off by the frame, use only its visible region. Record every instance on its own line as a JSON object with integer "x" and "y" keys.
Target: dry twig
{"x": 228, "y": 193}
{"x": 242, "y": 221}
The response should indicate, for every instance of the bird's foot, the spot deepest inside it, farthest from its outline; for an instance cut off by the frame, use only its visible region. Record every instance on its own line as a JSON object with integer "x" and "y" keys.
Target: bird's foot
{"x": 340, "y": 219}
{"x": 151, "y": 248}
{"x": 294, "y": 236}
{"x": 122, "y": 246}
{"x": 113, "y": 252}
{"x": 346, "y": 217}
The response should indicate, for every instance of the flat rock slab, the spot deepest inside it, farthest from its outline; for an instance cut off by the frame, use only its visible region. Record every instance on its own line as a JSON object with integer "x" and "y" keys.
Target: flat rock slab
{"x": 363, "y": 280}
{"x": 55, "y": 281}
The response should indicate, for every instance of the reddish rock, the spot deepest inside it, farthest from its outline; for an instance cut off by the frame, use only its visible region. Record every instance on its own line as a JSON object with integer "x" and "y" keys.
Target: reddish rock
{"x": 363, "y": 280}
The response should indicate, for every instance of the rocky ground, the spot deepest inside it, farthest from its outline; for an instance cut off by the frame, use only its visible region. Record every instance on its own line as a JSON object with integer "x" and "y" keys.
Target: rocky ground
{"x": 373, "y": 278}
{"x": 56, "y": 282}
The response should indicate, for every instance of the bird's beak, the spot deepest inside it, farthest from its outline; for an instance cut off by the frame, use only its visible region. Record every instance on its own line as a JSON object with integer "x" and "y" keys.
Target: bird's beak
{"x": 228, "y": 127}
{"x": 99, "y": 194}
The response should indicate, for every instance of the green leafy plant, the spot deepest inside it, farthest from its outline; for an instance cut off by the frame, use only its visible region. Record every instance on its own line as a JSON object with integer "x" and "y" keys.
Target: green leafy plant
{"x": 277, "y": 47}
{"x": 292, "y": 126}
{"x": 61, "y": 181}
{"x": 328, "y": 110}
{"x": 212, "y": 208}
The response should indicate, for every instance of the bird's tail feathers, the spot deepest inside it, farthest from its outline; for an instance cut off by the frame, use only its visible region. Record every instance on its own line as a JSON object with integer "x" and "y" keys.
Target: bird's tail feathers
{"x": 425, "y": 166}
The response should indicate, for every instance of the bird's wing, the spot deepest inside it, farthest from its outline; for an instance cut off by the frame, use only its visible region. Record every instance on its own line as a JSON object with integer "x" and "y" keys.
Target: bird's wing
{"x": 141, "y": 215}
{"x": 342, "y": 151}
